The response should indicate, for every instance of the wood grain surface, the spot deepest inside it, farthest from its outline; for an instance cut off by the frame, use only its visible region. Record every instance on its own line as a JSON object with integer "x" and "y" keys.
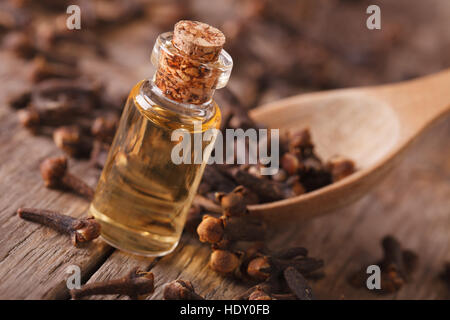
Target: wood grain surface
{"x": 412, "y": 203}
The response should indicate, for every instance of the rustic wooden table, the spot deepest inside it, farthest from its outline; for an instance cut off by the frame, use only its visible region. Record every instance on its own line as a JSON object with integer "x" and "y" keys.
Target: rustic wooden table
{"x": 413, "y": 204}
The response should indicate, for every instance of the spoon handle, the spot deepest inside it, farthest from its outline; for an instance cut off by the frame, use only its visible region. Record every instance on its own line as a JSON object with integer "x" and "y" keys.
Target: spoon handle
{"x": 418, "y": 102}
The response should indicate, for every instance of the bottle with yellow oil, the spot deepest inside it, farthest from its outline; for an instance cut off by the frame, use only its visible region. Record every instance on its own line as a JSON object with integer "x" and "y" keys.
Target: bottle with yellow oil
{"x": 143, "y": 196}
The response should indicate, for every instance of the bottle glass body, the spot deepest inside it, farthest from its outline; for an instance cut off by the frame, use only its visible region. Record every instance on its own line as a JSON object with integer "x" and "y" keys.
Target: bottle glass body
{"x": 142, "y": 197}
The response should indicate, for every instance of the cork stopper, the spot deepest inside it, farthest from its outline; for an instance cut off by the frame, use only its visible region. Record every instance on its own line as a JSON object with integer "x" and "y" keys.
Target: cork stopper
{"x": 198, "y": 40}
{"x": 191, "y": 63}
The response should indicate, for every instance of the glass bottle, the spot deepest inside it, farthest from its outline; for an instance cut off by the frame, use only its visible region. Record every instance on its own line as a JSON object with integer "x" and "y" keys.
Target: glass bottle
{"x": 142, "y": 197}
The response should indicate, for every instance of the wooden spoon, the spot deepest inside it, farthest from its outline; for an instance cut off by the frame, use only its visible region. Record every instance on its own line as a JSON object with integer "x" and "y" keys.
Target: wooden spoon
{"x": 371, "y": 125}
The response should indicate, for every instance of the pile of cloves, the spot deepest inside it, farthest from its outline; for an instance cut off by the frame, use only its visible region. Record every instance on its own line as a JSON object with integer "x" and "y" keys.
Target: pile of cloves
{"x": 234, "y": 225}
{"x": 60, "y": 100}
{"x": 302, "y": 170}
{"x": 282, "y": 274}
{"x": 71, "y": 111}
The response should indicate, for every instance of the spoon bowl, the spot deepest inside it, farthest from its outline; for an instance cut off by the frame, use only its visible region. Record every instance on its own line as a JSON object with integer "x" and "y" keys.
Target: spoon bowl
{"x": 370, "y": 125}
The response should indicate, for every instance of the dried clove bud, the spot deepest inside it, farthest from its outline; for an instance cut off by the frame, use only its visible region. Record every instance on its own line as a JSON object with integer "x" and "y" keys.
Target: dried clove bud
{"x": 281, "y": 273}
{"x": 262, "y": 268}
{"x": 340, "y": 167}
{"x": 214, "y": 180}
{"x": 396, "y": 266}
{"x": 233, "y": 203}
{"x": 224, "y": 261}
{"x": 290, "y": 163}
{"x": 19, "y": 100}
{"x": 214, "y": 230}
{"x": 393, "y": 255}
{"x": 210, "y": 229}
{"x": 259, "y": 268}
{"x": 245, "y": 228}
{"x": 42, "y": 69}
{"x": 57, "y": 102}
{"x": 298, "y": 284}
{"x": 71, "y": 140}
{"x": 55, "y": 175}
{"x": 29, "y": 118}
{"x": 313, "y": 175}
{"x": 180, "y": 290}
{"x": 80, "y": 230}
{"x": 33, "y": 118}
{"x": 133, "y": 285}
{"x": 266, "y": 189}
{"x": 300, "y": 139}
{"x": 51, "y": 89}
{"x": 295, "y": 185}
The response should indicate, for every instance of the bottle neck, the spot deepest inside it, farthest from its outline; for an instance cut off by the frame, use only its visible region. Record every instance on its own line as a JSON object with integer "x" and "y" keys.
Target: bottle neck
{"x": 151, "y": 99}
